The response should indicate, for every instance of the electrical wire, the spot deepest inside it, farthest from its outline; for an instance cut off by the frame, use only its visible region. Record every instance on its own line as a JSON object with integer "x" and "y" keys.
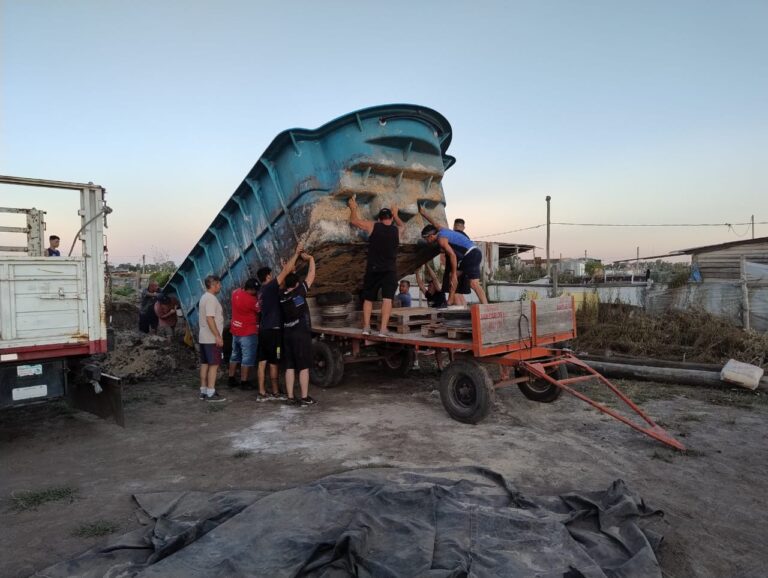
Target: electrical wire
{"x": 512, "y": 231}
{"x": 729, "y": 225}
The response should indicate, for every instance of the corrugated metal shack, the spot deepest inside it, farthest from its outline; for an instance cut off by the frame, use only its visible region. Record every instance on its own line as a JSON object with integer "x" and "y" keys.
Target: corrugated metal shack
{"x": 723, "y": 261}
{"x": 729, "y": 280}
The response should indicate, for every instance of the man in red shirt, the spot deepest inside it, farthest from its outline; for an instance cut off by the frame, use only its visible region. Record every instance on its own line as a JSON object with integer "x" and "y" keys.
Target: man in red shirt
{"x": 245, "y": 331}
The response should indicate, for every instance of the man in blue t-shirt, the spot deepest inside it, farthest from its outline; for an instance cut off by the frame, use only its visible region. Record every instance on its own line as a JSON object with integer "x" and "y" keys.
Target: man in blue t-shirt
{"x": 460, "y": 252}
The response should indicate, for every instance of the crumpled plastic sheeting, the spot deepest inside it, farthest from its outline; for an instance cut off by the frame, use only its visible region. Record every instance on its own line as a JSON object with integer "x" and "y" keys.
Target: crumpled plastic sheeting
{"x": 447, "y": 523}
{"x": 174, "y": 520}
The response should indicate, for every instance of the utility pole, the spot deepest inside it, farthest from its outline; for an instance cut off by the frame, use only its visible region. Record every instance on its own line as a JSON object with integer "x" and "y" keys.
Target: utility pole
{"x": 753, "y": 226}
{"x": 143, "y": 263}
{"x": 549, "y": 270}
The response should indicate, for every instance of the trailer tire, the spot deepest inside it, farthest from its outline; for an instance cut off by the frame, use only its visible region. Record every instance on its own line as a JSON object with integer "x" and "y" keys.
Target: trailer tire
{"x": 327, "y": 368}
{"x": 466, "y": 390}
{"x": 397, "y": 362}
{"x": 543, "y": 391}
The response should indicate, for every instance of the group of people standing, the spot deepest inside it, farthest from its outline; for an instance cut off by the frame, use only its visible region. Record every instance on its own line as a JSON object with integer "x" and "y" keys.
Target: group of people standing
{"x": 270, "y": 320}
{"x": 270, "y": 327}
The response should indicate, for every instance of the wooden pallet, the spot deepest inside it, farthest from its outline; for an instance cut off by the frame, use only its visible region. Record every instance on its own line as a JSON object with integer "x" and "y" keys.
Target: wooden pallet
{"x": 405, "y": 315}
{"x": 459, "y": 332}
{"x": 410, "y": 327}
{"x": 433, "y": 330}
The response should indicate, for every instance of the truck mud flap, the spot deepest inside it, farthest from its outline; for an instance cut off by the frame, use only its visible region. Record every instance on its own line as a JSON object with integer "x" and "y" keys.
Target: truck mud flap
{"x": 107, "y": 403}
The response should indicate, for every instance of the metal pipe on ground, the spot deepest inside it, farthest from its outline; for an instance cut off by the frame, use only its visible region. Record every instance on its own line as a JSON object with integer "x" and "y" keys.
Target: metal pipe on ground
{"x": 664, "y": 374}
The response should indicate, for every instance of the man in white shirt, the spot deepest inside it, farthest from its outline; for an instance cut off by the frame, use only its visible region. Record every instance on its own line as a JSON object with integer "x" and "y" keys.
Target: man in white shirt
{"x": 211, "y": 321}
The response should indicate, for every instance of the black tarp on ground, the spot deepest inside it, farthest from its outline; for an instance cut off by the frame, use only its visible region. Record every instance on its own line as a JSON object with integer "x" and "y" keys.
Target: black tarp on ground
{"x": 457, "y": 522}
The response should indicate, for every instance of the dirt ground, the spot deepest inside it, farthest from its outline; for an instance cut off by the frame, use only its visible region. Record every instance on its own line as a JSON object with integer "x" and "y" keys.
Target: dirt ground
{"x": 713, "y": 496}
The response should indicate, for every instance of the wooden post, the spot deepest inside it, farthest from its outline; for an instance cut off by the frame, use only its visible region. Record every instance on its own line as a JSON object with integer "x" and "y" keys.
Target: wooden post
{"x": 744, "y": 294}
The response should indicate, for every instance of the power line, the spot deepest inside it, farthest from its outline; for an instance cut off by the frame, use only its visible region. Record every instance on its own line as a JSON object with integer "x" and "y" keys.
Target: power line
{"x": 729, "y": 225}
{"x": 661, "y": 224}
{"x": 512, "y": 231}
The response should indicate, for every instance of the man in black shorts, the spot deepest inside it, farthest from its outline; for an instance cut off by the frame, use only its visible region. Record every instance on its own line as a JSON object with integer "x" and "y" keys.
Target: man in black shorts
{"x": 297, "y": 334}
{"x": 381, "y": 270}
{"x": 270, "y": 331}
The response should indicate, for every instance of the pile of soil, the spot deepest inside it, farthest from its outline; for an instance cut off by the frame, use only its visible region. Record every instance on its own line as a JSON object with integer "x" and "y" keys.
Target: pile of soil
{"x": 124, "y": 313}
{"x": 692, "y": 335}
{"x": 138, "y": 356}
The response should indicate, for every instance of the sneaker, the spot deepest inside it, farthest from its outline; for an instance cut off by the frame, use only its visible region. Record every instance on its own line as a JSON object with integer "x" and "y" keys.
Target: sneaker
{"x": 233, "y": 382}
{"x": 366, "y": 331}
{"x": 260, "y": 397}
{"x": 291, "y": 401}
{"x": 306, "y": 401}
{"x": 280, "y": 396}
{"x": 382, "y": 334}
{"x": 215, "y": 397}
{"x": 202, "y": 396}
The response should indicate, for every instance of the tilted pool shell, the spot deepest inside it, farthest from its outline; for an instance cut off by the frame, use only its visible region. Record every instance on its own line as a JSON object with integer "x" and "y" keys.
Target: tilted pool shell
{"x": 390, "y": 155}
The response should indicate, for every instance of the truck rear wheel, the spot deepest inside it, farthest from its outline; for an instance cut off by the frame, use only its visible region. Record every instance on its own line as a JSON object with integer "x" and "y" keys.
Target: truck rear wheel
{"x": 327, "y": 364}
{"x": 466, "y": 390}
{"x": 543, "y": 391}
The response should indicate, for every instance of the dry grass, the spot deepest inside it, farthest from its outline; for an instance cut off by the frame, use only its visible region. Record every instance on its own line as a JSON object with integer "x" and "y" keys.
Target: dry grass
{"x": 695, "y": 336}
{"x": 31, "y": 500}
{"x": 95, "y": 529}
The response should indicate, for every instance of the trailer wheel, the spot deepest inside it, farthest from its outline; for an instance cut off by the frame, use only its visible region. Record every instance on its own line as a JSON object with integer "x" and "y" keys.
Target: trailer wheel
{"x": 543, "y": 391}
{"x": 397, "y": 362}
{"x": 327, "y": 368}
{"x": 466, "y": 390}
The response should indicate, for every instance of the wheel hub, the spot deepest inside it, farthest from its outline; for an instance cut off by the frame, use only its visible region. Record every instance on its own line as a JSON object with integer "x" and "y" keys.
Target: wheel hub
{"x": 464, "y": 392}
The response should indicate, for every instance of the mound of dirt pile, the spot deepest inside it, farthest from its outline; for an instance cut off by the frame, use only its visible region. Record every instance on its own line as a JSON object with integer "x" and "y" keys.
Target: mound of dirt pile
{"x": 124, "y": 313}
{"x": 138, "y": 356}
{"x": 695, "y": 336}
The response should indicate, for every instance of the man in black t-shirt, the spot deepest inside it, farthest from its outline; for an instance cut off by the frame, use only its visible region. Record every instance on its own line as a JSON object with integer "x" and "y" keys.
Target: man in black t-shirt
{"x": 381, "y": 270}
{"x": 271, "y": 324}
{"x": 297, "y": 334}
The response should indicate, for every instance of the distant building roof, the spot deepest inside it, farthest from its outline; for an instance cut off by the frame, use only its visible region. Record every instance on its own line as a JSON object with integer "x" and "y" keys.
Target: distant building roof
{"x": 702, "y": 249}
{"x": 718, "y": 246}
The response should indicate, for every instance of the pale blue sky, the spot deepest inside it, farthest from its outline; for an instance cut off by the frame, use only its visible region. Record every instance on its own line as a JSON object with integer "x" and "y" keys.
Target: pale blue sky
{"x": 623, "y": 112}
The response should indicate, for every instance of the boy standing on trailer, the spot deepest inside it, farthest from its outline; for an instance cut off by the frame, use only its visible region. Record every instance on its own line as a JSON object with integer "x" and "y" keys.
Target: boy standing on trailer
{"x": 297, "y": 334}
{"x": 270, "y": 333}
{"x": 381, "y": 270}
{"x": 211, "y": 315}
